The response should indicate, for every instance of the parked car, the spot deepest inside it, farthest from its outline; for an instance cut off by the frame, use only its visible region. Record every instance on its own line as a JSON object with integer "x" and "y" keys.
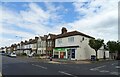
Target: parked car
{"x": 31, "y": 54}
{"x": 12, "y": 55}
{"x": 2, "y": 53}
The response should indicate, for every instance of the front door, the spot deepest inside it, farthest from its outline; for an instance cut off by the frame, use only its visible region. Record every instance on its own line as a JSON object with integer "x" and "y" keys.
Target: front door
{"x": 61, "y": 54}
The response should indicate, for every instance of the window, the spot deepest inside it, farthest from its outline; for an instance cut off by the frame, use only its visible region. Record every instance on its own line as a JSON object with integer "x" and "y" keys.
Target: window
{"x": 59, "y": 41}
{"x": 71, "y": 39}
{"x": 44, "y": 43}
{"x": 34, "y": 45}
{"x": 41, "y": 43}
{"x": 50, "y": 43}
{"x": 83, "y": 39}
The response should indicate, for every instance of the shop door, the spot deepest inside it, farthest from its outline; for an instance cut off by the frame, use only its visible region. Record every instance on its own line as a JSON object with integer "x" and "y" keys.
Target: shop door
{"x": 69, "y": 53}
{"x": 61, "y": 55}
{"x": 73, "y": 53}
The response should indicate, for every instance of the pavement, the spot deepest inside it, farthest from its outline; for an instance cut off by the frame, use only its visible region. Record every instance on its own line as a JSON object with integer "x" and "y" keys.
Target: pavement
{"x": 0, "y": 74}
{"x": 64, "y": 61}
{"x": 31, "y": 66}
{"x": 59, "y": 61}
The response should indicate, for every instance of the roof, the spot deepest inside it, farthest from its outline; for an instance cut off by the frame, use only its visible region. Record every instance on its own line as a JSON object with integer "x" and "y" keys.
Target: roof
{"x": 43, "y": 38}
{"x": 72, "y": 33}
{"x": 52, "y": 36}
{"x": 32, "y": 41}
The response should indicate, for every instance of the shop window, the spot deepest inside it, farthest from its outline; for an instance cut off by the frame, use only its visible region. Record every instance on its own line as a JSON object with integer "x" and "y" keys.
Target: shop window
{"x": 56, "y": 54}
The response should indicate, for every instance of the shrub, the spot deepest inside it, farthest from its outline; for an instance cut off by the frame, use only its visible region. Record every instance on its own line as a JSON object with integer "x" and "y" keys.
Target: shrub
{"x": 24, "y": 54}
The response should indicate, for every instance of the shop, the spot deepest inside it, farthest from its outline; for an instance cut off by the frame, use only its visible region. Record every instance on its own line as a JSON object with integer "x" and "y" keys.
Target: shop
{"x": 64, "y": 53}
{"x": 60, "y": 53}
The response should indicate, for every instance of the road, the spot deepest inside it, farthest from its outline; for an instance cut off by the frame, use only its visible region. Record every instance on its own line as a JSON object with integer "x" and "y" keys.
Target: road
{"x": 21, "y": 66}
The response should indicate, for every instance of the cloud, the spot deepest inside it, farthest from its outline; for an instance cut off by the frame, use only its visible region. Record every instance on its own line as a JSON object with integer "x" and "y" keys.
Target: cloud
{"x": 103, "y": 24}
{"x": 97, "y": 18}
{"x": 34, "y": 18}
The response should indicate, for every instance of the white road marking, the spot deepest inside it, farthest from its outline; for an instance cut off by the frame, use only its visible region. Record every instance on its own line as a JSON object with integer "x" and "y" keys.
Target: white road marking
{"x": 103, "y": 71}
{"x": 97, "y": 68}
{"x": 39, "y": 66}
{"x": 114, "y": 73}
{"x": 101, "y": 66}
{"x": 113, "y": 63}
{"x": 0, "y": 74}
{"x": 93, "y": 69}
{"x": 117, "y": 67}
{"x": 66, "y": 73}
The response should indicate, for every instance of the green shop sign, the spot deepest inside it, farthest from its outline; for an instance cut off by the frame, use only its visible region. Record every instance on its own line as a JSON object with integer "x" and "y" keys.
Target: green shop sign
{"x": 59, "y": 49}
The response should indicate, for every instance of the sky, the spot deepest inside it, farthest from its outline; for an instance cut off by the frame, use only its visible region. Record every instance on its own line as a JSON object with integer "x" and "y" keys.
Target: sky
{"x": 97, "y": 18}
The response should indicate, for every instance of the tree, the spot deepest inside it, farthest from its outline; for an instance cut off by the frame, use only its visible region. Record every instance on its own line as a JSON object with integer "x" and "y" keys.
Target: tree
{"x": 112, "y": 46}
{"x": 96, "y": 44}
{"x": 118, "y": 49}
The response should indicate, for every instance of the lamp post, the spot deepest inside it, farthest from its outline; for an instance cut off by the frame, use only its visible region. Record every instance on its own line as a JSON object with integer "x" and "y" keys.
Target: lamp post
{"x": 20, "y": 43}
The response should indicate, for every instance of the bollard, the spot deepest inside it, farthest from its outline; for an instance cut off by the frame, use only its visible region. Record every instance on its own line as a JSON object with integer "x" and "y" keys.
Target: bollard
{"x": 50, "y": 58}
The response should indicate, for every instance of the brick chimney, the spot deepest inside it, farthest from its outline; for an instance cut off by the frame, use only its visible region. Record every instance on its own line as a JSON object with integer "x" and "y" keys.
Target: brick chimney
{"x": 64, "y": 30}
{"x": 30, "y": 39}
{"x": 36, "y": 38}
{"x": 21, "y": 41}
{"x": 25, "y": 41}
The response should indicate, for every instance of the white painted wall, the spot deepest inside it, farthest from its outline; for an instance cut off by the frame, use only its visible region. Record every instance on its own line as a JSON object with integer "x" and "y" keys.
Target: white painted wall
{"x": 66, "y": 43}
{"x": 101, "y": 53}
{"x": 107, "y": 54}
{"x": 84, "y": 51}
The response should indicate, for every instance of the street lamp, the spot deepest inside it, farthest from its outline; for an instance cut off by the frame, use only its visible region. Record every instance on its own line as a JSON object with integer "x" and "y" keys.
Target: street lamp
{"x": 20, "y": 43}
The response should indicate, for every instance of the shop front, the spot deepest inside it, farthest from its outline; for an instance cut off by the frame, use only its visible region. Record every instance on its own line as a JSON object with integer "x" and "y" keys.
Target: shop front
{"x": 65, "y": 53}
{"x": 71, "y": 53}
{"x": 60, "y": 53}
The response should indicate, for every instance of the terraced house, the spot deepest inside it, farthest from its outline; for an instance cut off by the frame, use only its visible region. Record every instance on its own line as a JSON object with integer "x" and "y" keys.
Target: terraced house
{"x": 67, "y": 45}
{"x": 34, "y": 44}
{"x": 50, "y": 44}
{"x": 27, "y": 48}
{"x": 41, "y": 43}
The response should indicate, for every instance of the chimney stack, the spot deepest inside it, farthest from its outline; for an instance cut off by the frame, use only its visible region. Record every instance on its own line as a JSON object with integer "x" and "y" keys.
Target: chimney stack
{"x": 30, "y": 39}
{"x": 36, "y": 38}
{"x": 64, "y": 30}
